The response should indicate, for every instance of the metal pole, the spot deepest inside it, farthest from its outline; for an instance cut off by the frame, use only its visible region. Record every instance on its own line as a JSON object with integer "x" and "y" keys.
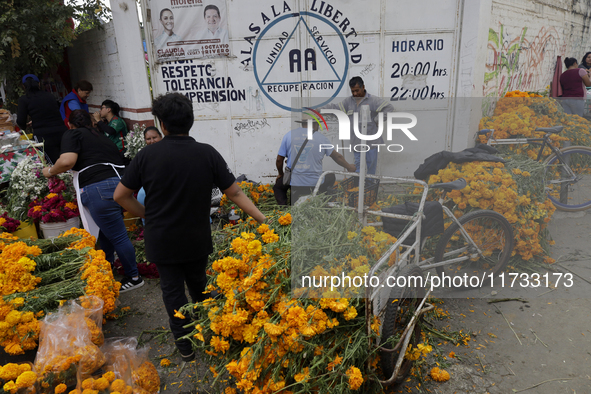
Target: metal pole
{"x": 362, "y": 165}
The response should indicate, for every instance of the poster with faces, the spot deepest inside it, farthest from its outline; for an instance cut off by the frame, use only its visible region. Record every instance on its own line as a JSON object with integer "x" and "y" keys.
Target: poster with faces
{"x": 189, "y": 29}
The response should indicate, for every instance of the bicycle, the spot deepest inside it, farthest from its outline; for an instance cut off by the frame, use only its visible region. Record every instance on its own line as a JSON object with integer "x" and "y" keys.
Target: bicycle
{"x": 478, "y": 244}
{"x": 566, "y": 174}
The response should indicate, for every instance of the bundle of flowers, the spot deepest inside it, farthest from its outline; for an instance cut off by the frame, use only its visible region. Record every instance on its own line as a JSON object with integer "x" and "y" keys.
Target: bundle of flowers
{"x": 268, "y": 341}
{"x": 37, "y": 274}
{"x": 17, "y": 378}
{"x": 26, "y": 184}
{"x": 518, "y": 114}
{"x": 8, "y": 224}
{"x": 135, "y": 141}
{"x": 57, "y": 206}
{"x": 261, "y": 195}
{"x": 514, "y": 189}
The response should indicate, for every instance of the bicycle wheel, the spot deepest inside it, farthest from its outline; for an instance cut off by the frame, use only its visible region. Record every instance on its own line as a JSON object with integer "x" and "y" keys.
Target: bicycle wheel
{"x": 399, "y": 310}
{"x": 566, "y": 193}
{"x": 490, "y": 232}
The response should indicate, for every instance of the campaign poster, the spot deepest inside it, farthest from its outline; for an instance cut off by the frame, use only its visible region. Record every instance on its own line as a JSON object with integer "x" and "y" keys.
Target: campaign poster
{"x": 189, "y": 29}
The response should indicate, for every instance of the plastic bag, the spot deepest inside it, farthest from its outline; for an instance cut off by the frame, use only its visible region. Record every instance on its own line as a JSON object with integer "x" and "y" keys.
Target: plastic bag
{"x": 93, "y": 315}
{"x": 65, "y": 349}
{"x": 131, "y": 365}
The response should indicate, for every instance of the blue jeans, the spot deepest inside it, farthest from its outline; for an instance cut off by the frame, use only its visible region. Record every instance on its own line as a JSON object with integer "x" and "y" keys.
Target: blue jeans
{"x": 108, "y": 215}
{"x": 371, "y": 161}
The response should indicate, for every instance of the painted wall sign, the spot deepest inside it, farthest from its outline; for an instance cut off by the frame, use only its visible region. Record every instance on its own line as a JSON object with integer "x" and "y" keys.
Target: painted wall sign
{"x": 417, "y": 67}
{"x": 189, "y": 29}
{"x": 301, "y": 54}
{"x": 199, "y": 82}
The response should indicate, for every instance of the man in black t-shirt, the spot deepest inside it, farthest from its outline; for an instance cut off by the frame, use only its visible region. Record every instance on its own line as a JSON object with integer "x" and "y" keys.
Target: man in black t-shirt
{"x": 178, "y": 174}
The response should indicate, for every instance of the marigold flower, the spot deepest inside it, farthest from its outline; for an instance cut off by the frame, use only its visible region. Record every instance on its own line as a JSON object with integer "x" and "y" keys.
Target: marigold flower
{"x": 285, "y": 219}
{"x": 355, "y": 377}
{"x": 26, "y": 379}
{"x": 165, "y": 362}
{"x": 439, "y": 375}
{"x": 60, "y": 388}
{"x": 178, "y": 314}
{"x": 117, "y": 385}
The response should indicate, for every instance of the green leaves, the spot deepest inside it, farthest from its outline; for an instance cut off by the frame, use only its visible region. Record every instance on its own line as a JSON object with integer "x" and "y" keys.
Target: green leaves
{"x": 35, "y": 34}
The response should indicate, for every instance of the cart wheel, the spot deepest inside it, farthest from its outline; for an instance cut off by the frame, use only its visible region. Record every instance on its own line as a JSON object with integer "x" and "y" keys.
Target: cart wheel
{"x": 400, "y": 308}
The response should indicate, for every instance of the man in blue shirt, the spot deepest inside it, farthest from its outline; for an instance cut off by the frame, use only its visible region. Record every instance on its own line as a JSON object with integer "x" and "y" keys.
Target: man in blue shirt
{"x": 307, "y": 170}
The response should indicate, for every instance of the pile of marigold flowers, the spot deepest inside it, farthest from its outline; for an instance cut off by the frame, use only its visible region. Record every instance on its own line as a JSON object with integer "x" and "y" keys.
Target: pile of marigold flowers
{"x": 37, "y": 274}
{"x": 518, "y": 114}
{"x": 268, "y": 341}
{"x": 514, "y": 189}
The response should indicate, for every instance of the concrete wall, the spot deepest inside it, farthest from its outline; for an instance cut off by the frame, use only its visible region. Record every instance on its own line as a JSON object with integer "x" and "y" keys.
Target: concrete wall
{"x": 525, "y": 37}
{"x": 112, "y": 59}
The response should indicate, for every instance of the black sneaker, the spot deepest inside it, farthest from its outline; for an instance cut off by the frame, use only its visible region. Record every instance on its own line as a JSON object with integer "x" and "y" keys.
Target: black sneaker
{"x": 128, "y": 284}
{"x": 186, "y": 350}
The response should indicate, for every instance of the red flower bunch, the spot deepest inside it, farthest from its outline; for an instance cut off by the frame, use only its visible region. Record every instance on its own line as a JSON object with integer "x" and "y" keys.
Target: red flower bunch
{"x": 8, "y": 224}
{"x": 57, "y": 206}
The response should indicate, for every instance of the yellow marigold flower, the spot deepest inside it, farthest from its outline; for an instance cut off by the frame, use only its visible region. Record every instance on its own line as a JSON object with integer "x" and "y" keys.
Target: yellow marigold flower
{"x": 452, "y": 355}
{"x": 350, "y": 313}
{"x": 351, "y": 234}
{"x": 60, "y": 388}
{"x": 337, "y": 360}
{"x": 10, "y": 387}
{"x": 274, "y": 329}
{"x": 425, "y": 349}
{"x": 117, "y": 385}
{"x": 110, "y": 376}
{"x": 270, "y": 237}
{"x": 165, "y": 362}
{"x": 178, "y": 314}
{"x": 50, "y": 196}
{"x": 355, "y": 377}
{"x": 254, "y": 247}
{"x": 71, "y": 205}
{"x": 285, "y": 219}
{"x": 26, "y": 379}
{"x": 298, "y": 377}
{"x": 369, "y": 230}
{"x": 87, "y": 384}
{"x": 219, "y": 344}
{"x": 439, "y": 375}
{"x": 100, "y": 384}
{"x": 248, "y": 236}
{"x": 263, "y": 228}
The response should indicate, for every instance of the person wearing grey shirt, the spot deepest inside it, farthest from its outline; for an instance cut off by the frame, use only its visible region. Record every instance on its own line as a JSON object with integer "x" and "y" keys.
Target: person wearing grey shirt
{"x": 377, "y": 105}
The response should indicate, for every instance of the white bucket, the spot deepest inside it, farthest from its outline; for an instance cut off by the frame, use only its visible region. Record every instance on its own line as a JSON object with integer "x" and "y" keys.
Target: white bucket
{"x": 52, "y": 230}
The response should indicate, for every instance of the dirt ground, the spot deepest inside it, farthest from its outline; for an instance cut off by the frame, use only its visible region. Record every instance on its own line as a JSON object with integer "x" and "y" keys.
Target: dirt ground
{"x": 540, "y": 344}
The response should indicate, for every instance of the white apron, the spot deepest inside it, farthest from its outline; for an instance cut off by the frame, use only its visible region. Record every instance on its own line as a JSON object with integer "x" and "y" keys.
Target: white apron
{"x": 87, "y": 221}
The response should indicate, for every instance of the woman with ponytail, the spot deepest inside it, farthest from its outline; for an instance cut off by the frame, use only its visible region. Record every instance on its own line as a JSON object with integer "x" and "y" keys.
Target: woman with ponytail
{"x": 98, "y": 166}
